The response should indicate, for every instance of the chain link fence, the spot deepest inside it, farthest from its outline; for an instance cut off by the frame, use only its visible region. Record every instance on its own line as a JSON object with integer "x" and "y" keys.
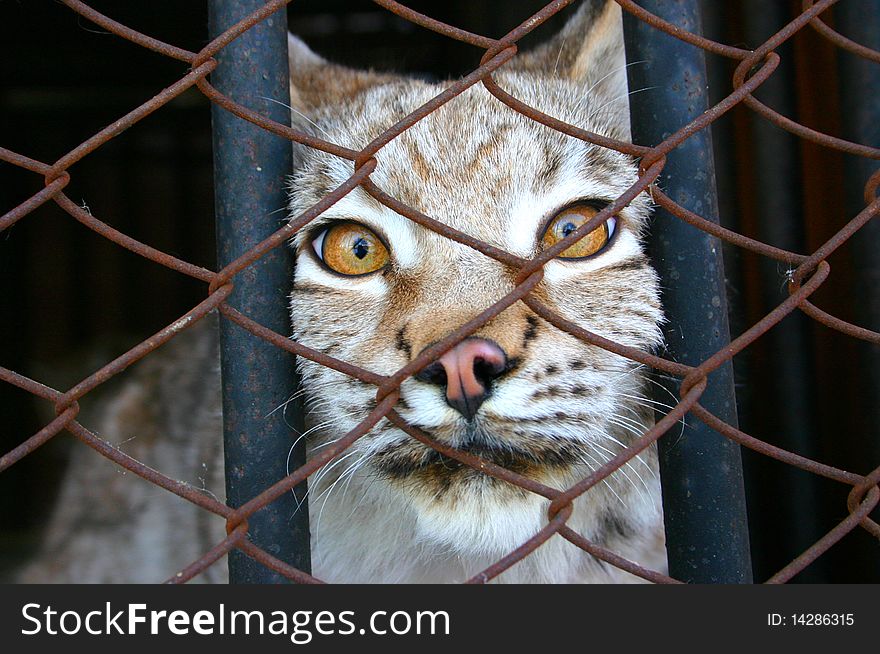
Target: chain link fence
{"x": 807, "y": 273}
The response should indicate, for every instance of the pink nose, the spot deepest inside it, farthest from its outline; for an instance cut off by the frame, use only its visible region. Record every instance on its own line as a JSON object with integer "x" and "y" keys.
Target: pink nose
{"x": 467, "y": 372}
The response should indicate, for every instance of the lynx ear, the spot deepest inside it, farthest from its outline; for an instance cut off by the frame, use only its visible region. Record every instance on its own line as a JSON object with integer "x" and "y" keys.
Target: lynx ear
{"x": 315, "y": 82}
{"x": 588, "y": 50}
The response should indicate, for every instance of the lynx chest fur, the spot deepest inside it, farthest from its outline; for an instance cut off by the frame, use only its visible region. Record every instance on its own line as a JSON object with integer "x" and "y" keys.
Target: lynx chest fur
{"x": 375, "y": 289}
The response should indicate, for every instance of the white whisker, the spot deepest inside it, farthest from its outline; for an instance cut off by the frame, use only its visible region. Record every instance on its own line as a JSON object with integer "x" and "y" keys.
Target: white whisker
{"x": 605, "y": 481}
{"x": 613, "y": 72}
{"x": 558, "y": 56}
{"x": 623, "y": 472}
{"x": 298, "y": 113}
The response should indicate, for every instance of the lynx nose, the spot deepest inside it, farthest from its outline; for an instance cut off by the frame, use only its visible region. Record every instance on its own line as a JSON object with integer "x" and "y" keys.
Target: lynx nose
{"x": 467, "y": 372}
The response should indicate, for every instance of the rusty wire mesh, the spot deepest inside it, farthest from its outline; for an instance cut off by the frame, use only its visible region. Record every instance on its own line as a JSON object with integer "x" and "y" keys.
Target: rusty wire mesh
{"x": 810, "y": 271}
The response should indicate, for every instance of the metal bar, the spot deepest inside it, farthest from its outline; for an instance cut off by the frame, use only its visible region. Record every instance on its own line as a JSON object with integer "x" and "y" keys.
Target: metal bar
{"x": 860, "y": 81}
{"x": 701, "y": 472}
{"x": 250, "y": 166}
{"x": 790, "y": 421}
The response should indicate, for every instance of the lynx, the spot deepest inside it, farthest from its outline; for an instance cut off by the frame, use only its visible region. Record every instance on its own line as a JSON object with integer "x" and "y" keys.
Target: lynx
{"x": 375, "y": 289}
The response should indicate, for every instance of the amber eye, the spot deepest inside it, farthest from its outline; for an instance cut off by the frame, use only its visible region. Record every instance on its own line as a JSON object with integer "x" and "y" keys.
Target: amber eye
{"x": 351, "y": 249}
{"x": 567, "y": 221}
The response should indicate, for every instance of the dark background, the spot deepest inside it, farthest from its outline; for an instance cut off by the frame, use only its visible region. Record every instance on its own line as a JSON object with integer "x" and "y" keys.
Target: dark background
{"x": 71, "y": 301}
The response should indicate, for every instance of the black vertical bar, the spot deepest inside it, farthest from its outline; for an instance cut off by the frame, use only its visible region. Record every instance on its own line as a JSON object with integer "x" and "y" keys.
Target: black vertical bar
{"x": 701, "y": 471}
{"x": 758, "y": 175}
{"x": 860, "y": 111}
{"x": 250, "y": 167}
{"x": 784, "y": 529}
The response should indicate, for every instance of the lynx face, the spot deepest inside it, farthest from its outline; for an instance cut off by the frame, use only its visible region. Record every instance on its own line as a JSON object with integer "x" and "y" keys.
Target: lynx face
{"x": 375, "y": 289}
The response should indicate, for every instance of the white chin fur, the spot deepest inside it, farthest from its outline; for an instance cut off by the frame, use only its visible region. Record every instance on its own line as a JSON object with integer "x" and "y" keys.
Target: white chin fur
{"x": 486, "y": 523}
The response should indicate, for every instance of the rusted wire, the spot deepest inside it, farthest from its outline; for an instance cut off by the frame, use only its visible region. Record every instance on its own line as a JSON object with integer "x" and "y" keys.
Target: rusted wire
{"x": 812, "y": 270}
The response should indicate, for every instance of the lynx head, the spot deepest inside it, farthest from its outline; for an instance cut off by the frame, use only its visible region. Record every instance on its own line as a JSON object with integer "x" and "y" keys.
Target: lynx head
{"x": 375, "y": 289}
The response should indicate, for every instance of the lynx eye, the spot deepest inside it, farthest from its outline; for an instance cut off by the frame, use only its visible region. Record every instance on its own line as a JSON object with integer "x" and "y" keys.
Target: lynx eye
{"x": 570, "y": 219}
{"x": 351, "y": 249}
